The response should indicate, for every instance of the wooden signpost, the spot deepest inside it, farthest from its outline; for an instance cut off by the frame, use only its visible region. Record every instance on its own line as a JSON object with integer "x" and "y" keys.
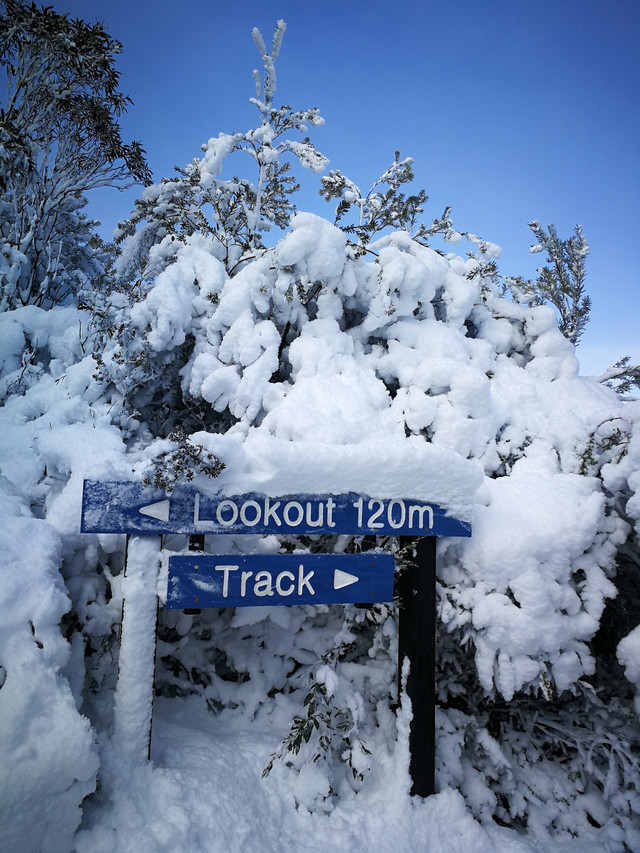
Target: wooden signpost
{"x": 417, "y": 643}
{"x": 201, "y": 580}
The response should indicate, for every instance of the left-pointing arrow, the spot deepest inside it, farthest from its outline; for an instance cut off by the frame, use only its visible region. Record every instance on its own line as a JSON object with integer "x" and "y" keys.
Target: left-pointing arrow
{"x": 159, "y": 510}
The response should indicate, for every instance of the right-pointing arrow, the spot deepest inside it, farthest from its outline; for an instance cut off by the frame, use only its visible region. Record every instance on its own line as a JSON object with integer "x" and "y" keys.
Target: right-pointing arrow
{"x": 341, "y": 579}
{"x": 159, "y": 510}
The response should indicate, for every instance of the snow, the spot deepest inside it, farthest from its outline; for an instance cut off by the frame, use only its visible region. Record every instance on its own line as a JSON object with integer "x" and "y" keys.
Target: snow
{"x": 403, "y": 468}
{"x": 49, "y": 761}
{"x": 188, "y": 800}
{"x": 438, "y": 389}
{"x": 177, "y": 297}
{"x": 325, "y": 364}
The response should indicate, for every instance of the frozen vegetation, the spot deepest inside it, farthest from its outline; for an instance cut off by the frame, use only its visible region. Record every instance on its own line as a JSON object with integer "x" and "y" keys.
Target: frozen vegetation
{"x": 323, "y": 359}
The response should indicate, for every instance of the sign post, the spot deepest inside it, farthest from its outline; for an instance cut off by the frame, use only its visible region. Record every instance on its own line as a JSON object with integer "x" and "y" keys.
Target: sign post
{"x": 133, "y": 702}
{"x": 204, "y": 580}
{"x": 417, "y": 642}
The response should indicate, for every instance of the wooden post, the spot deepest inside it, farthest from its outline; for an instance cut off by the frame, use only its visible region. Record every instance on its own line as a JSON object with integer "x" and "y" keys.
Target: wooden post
{"x": 417, "y": 642}
{"x": 195, "y": 542}
{"x": 136, "y": 666}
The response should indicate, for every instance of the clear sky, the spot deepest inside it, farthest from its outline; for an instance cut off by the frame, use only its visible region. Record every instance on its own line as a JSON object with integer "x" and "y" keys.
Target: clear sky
{"x": 512, "y": 111}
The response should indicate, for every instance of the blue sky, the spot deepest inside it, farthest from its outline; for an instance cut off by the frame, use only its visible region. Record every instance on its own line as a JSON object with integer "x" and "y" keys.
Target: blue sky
{"x": 512, "y": 111}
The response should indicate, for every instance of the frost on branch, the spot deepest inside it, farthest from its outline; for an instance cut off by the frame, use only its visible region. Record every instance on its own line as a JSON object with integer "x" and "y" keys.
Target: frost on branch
{"x": 378, "y": 209}
{"x": 387, "y": 209}
{"x": 623, "y": 377}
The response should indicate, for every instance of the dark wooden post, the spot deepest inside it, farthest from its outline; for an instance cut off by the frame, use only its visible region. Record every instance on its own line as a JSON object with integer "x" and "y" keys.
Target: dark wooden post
{"x": 417, "y": 642}
{"x": 195, "y": 543}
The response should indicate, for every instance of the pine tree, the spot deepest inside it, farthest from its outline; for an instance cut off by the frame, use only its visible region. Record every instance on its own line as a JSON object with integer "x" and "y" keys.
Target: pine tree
{"x": 561, "y": 283}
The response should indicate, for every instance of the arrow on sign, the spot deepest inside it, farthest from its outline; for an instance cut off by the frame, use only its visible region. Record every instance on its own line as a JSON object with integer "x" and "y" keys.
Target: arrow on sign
{"x": 159, "y": 510}
{"x": 342, "y": 579}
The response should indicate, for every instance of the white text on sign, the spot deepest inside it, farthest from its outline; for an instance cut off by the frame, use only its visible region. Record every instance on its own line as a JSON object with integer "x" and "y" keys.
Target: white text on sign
{"x": 373, "y": 514}
{"x": 116, "y": 507}
{"x": 263, "y": 582}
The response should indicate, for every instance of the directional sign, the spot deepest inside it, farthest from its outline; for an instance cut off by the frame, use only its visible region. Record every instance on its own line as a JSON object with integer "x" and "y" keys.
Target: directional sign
{"x": 130, "y": 508}
{"x": 274, "y": 579}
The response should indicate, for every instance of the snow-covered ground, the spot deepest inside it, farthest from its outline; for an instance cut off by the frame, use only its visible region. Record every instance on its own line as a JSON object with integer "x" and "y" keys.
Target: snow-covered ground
{"x": 203, "y": 791}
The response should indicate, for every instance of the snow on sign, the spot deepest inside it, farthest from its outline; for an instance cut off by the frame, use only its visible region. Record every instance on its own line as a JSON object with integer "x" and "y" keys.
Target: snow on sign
{"x": 128, "y": 507}
{"x": 274, "y": 579}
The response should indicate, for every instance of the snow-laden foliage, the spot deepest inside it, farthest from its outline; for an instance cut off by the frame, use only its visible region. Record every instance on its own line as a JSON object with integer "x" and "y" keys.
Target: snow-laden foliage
{"x": 312, "y": 353}
{"x": 47, "y": 751}
{"x": 48, "y": 575}
{"x": 560, "y": 284}
{"x": 383, "y": 209}
{"x": 316, "y": 366}
{"x": 414, "y": 344}
{"x": 232, "y": 212}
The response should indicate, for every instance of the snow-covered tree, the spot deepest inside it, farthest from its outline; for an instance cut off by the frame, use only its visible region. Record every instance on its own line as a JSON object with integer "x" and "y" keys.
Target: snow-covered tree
{"x": 232, "y": 212}
{"x": 313, "y": 344}
{"x": 380, "y": 344}
{"x": 214, "y": 225}
{"x": 59, "y": 138}
{"x": 316, "y": 344}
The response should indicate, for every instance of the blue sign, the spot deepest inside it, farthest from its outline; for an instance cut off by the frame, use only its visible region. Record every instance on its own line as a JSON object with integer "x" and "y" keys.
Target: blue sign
{"x": 275, "y": 579}
{"x": 130, "y": 508}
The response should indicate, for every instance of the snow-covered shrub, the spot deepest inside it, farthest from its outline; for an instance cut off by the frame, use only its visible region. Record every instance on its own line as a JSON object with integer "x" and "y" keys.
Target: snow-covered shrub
{"x": 50, "y": 428}
{"x": 313, "y": 342}
{"x": 629, "y": 658}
